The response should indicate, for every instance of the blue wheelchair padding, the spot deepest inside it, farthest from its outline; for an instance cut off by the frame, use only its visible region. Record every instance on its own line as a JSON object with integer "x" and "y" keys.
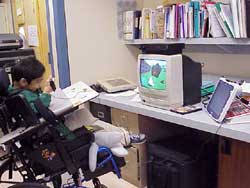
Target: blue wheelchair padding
{"x": 109, "y": 158}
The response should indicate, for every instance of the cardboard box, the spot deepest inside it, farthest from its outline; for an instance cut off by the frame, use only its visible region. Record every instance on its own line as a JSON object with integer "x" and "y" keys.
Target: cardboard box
{"x": 135, "y": 171}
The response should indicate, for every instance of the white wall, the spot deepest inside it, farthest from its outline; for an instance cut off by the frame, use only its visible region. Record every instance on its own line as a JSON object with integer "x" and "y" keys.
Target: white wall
{"x": 53, "y": 41}
{"x": 95, "y": 52}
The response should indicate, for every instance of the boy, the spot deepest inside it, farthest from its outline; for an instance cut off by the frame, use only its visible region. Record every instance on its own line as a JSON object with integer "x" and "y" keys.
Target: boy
{"x": 27, "y": 76}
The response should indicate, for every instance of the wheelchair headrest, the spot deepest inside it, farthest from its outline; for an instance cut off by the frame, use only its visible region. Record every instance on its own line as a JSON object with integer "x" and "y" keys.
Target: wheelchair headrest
{"x": 4, "y": 82}
{"x": 20, "y": 110}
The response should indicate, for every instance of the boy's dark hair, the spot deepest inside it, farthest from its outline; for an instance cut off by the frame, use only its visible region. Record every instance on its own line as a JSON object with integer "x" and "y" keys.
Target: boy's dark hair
{"x": 28, "y": 68}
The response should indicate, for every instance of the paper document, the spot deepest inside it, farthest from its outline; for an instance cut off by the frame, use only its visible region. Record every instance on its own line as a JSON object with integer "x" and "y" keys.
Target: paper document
{"x": 72, "y": 96}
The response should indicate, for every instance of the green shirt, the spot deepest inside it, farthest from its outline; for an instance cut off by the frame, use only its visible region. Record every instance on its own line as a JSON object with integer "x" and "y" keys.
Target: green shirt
{"x": 45, "y": 98}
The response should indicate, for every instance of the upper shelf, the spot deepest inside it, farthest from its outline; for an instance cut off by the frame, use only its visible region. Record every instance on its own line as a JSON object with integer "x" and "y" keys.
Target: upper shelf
{"x": 192, "y": 41}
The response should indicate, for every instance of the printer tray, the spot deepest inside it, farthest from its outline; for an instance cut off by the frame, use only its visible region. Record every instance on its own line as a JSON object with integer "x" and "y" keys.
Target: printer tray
{"x": 10, "y": 41}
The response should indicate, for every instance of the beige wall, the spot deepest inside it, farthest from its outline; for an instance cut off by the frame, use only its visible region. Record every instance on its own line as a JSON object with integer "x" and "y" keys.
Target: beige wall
{"x": 224, "y": 64}
{"x": 95, "y": 52}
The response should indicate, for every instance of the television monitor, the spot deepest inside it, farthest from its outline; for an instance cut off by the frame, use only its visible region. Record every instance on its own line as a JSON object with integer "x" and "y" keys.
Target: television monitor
{"x": 160, "y": 80}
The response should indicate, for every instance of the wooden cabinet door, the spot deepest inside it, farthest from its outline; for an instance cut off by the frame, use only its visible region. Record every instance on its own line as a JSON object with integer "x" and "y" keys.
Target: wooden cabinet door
{"x": 4, "y": 27}
{"x": 234, "y": 164}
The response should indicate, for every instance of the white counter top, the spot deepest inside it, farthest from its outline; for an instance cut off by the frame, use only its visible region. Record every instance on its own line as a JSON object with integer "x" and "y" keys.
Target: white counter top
{"x": 197, "y": 120}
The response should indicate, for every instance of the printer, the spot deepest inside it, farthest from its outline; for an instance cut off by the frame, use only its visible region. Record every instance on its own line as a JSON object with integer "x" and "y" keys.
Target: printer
{"x": 10, "y": 50}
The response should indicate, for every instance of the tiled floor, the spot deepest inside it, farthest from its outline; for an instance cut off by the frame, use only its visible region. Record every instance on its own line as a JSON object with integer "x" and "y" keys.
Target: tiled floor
{"x": 110, "y": 180}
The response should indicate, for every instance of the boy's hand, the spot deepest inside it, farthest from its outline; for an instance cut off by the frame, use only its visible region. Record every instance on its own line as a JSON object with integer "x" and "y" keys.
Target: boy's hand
{"x": 47, "y": 88}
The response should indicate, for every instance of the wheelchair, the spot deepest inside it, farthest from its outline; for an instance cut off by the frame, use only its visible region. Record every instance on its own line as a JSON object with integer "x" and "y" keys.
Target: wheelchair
{"x": 36, "y": 150}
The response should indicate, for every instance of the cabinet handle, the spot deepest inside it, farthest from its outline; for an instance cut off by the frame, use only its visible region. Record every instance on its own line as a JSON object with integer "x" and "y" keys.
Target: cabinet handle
{"x": 100, "y": 114}
{"x": 123, "y": 118}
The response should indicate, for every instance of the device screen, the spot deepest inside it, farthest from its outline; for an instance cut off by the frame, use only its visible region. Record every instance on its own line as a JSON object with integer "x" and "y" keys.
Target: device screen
{"x": 153, "y": 74}
{"x": 219, "y": 99}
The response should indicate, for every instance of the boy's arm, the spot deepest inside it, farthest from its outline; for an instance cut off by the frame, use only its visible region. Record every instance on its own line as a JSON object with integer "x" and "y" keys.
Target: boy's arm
{"x": 45, "y": 98}
{"x": 32, "y": 97}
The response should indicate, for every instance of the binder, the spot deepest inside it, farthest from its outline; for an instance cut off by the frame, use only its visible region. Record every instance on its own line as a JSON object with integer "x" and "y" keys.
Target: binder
{"x": 146, "y": 33}
{"x": 137, "y": 17}
{"x": 160, "y": 23}
{"x": 191, "y": 21}
{"x": 234, "y": 8}
{"x": 131, "y": 25}
{"x": 176, "y": 29}
{"x": 196, "y": 5}
{"x": 244, "y": 18}
{"x": 248, "y": 18}
{"x": 167, "y": 23}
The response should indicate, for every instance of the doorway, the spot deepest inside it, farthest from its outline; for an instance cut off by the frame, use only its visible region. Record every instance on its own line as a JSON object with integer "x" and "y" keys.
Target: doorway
{"x": 29, "y": 17}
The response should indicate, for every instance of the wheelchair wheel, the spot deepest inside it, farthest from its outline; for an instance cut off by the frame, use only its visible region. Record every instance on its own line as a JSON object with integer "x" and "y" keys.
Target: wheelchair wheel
{"x": 17, "y": 177}
{"x": 4, "y": 174}
{"x": 98, "y": 184}
{"x": 28, "y": 185}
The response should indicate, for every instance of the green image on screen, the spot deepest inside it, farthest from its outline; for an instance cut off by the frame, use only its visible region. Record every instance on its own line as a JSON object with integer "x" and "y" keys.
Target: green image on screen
{"x": 153, "y": 74}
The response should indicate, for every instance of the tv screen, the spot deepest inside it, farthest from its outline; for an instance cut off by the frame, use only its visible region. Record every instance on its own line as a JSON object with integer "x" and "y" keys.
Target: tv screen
{"x": 153, "y": 74}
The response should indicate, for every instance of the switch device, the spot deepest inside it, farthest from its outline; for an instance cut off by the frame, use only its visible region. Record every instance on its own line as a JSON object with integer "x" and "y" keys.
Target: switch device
{"x": 222, "y": 99}
{"x": 116, "y": 84}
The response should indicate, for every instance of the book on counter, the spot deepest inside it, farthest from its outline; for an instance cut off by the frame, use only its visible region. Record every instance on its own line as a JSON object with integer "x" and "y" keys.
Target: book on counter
{"x": 237, "y": 109}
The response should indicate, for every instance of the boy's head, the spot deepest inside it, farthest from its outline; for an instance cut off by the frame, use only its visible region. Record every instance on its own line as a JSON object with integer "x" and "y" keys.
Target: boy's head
{"x": 28, "y": 74}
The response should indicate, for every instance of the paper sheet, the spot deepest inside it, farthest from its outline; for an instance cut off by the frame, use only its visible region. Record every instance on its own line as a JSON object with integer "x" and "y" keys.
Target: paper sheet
{"x": 122, "y": 94}
{"x": 33, "y": 35}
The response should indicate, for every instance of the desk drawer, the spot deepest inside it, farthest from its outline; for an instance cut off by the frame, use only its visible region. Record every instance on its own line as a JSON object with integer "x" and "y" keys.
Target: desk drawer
{"x": 125, "y": 119}
{"x": 101, "y": 112}
{"x": 135, "y": 171}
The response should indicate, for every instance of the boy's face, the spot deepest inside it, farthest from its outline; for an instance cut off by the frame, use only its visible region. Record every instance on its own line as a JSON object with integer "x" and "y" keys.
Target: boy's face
{"x": 34, "y": 84}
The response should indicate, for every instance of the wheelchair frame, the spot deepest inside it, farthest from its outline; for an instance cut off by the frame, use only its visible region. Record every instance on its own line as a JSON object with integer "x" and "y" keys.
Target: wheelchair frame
{"x": 16, "y": 156}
